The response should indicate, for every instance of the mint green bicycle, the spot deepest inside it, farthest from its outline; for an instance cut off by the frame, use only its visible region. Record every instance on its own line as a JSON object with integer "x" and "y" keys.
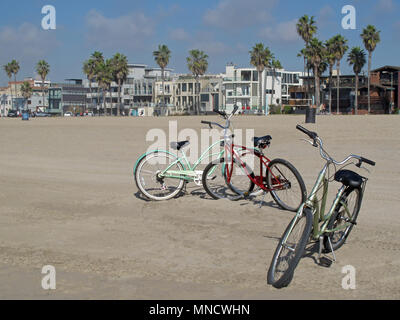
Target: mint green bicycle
{"x": 161, "y": 175}
{"x": 311, "y": 223}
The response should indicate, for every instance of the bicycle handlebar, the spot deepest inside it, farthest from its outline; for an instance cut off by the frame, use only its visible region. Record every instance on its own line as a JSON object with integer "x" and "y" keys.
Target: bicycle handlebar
{"x": 317, "y": 142}
{"x": 212, "y": 123}
{"x": 312, "y": 135}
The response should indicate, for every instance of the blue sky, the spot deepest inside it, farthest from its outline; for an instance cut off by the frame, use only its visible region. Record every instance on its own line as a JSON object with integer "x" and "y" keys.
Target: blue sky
{"x": 225, "y": 29}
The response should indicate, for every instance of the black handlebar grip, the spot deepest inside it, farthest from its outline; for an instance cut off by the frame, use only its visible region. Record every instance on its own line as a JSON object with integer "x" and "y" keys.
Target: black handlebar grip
{"x": 311, "y": 134}
{"x": 370, "y": 162}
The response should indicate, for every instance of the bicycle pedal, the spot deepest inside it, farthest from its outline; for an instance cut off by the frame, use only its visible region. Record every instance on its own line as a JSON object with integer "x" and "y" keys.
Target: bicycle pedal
{"x": 325, "y": 262}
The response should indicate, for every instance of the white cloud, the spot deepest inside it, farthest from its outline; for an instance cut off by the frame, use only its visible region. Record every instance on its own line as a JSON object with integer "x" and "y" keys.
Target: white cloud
{"x": 27, "y": 44}
{"x": 284, "y": 31}
{"x": 236, "y": 14}
{"x": 129, "y": 31}
{"x": 26, "y": 41}
{"x": 179, "y": 34}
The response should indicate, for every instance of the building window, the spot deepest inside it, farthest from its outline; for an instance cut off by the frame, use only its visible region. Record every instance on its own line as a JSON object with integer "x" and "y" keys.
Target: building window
{"x": 204, "y": 98}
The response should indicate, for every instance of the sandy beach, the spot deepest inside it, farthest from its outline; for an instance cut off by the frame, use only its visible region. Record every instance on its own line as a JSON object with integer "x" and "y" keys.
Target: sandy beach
{"x": 68, "y": 199}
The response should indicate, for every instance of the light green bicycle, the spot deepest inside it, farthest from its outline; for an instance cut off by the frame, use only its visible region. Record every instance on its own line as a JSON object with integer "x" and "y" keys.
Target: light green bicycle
{"x": 162, "y": 175}
{"x": 311, "y": 223}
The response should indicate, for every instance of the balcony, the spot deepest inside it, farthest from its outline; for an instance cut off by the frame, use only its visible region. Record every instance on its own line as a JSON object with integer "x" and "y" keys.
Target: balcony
{"x": 299, "y": 102}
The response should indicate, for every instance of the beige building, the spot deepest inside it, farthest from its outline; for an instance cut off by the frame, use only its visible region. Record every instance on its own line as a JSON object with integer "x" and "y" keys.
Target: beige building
{"x": 183, "y": 93}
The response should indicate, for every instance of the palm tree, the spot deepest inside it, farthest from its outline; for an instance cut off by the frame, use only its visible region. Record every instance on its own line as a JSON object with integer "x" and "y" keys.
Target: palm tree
{"x": 340, "y": 48}
{"x": 104, "y": 76}
{"x": 43, "y": 69}
{"x": 119, "y": 65}
{"x": 14, "y": 65}
{"x": 306, "y": 29}
{"x": 26, "y": 91}
{"x": 356, "y": 58}
{"x": 316, "y": 55}
{"x": 162, "y": 56}
{"x": 9, "y": 72}
{"x": 331, "y": 60}
{"x": 98, "y": 61}
{"x": 197, "y": 63}
{"x": 371, "y": 37}
{"x": 276, "y": 65}
{"x": 260, "y": 58}
{"x": 89, "y": 69}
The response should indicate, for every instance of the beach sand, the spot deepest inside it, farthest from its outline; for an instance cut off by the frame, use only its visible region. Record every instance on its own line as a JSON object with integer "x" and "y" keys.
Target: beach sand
{"x": 68, "y": 199}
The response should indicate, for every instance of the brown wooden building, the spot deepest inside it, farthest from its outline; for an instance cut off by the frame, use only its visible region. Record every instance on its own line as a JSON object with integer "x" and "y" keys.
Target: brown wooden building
{"x": 384, "y": 89}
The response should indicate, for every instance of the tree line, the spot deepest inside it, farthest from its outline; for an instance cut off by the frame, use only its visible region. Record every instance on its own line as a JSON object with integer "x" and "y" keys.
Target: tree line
{"x": 318, "y": 56}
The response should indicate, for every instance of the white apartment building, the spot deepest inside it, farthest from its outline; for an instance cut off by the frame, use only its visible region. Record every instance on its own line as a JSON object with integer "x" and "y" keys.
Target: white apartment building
{"x": 137, "y": 92}
{"x": 182, "y": 93}
{"x": 241, "y": 86}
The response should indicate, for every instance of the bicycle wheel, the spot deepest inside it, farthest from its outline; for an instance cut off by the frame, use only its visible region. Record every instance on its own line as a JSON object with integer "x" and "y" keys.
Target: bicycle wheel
{"x": 286, "y": 184}
{"x": 150, "y": 180}
{"x": 215, "y": 180}
{"x": 345, "y": 211}
{"x": 290, "y": 250}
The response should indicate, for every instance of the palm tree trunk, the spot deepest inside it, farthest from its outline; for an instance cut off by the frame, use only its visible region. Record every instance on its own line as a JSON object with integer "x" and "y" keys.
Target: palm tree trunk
{"x": 369, "y": 81}
{"x": 330, "y": 87}
{"x": 44, "y": 106}
{"x": 273, "y": 86}
{"x": 11, "y": 90}
{"x": 356, "y": 94}
{"x": 15, "y": 86}
{"x": 119, "y": 98}
{"x": 338, "y": 87}
{"x": 316, "y": 78}
{"x": 111, "y": 105}
{"x": 104, "y": 101}
{"x": 305, "y": 96}
{"x": 163, "y": 86}
{"x": 196, "y": 101}
{"x": 90, "y": 92}
{"x": 260, "y": 106}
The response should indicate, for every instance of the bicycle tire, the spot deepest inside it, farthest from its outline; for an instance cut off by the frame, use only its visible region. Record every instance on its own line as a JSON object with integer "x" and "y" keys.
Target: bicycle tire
{"x": 234, "y": 188}
{"x": 141, "y": 185}
{"x": 338, "y": 217}
{"x": 301, "y": 198}
{"x": 297, "y": 250}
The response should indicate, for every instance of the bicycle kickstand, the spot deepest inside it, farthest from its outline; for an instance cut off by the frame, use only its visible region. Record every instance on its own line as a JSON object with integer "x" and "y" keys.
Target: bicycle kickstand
{"x": 262, "y": 200}
{"x": 324, "y": 261}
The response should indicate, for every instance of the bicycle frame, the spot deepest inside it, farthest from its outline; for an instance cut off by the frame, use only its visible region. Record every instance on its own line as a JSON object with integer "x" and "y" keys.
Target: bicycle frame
{"x": 264, "y": 162}
{"x": 190, "y": 173}
{"x": 318, "y": 212}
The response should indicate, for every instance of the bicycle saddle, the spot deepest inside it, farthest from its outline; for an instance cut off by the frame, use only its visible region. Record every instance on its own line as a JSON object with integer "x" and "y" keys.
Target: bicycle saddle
{"x": 262, "y": 141}
{"x": 349, "y": 178}
{"x": 179, "y": 145}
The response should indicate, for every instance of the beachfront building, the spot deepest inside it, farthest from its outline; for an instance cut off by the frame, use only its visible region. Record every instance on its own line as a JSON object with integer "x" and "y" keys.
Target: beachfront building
{"x": 137, "y": 92}
{"x": 384, "y": 92}
{"x": 183, "y": 93}
{"x": 11, "y": 96}
{"x": 68, "y": 96}
{"x": 241, "y": 86}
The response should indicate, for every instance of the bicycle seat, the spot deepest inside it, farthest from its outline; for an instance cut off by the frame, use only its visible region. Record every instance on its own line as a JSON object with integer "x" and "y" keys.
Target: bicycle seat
{"x": 262, "y": 141}
{"x": 349, "y": 178}
{"x": 179, "y": 145}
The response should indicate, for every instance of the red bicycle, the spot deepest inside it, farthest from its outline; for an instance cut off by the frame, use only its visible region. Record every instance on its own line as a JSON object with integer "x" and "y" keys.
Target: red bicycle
{"x": 246, "y": 172}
